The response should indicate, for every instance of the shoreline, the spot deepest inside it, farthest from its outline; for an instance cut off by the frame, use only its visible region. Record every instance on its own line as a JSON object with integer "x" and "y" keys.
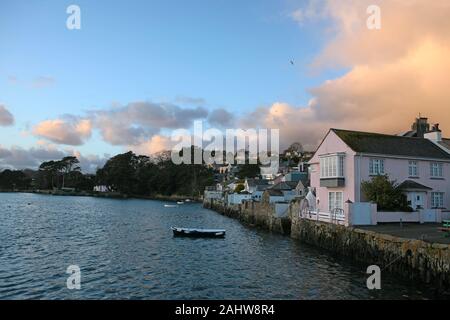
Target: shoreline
{"x": 110, "y": 195}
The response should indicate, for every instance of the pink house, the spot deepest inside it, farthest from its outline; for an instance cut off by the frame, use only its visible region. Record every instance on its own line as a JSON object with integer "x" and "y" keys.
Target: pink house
{"x": 345, "y": 159}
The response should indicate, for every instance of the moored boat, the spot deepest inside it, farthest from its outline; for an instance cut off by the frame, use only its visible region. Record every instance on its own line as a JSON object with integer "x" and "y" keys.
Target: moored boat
{"x": 198, "y": 233}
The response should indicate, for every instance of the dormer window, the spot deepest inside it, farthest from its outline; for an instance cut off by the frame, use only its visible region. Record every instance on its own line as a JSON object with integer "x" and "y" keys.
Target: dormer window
{"x": 376, "y": 167}
{"x": 332, "y": 166}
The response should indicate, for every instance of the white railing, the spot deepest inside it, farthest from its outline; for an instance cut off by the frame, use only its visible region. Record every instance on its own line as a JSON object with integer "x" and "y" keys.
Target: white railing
{"x": 337, "y": 216}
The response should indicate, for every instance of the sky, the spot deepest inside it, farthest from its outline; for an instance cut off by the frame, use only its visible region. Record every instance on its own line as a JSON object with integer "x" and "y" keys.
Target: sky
{"x": 137, "y": 70}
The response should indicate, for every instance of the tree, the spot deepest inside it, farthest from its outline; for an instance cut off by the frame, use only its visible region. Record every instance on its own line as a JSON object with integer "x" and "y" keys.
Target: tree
{"x": 119, "y": 172}
{"x": 293, "y": 153}
{"x": 239, "y": 188}
{"x": 47, "y": 172}
{"x": 296, "y": 148}
{"x": 385, "y": 193}
{"x": 66, "y": 165}
{"x": 14, "y": 180}
{"x": 248, "y": 171}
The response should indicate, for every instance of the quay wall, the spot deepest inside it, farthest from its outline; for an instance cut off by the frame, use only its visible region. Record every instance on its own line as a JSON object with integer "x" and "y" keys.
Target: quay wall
{"x": 412, "y": 259}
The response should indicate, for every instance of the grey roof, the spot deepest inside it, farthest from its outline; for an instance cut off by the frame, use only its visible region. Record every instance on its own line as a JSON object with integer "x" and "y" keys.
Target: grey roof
{"x": 273, "y": 192}
{"x": 262, "y": 187}
{"x": 445, "y": 143}
{"x": 413, "y": 185}
{"x": 384, "y": 144}
{"x": 285, "y": 185}
{"x": 257, "y": 182}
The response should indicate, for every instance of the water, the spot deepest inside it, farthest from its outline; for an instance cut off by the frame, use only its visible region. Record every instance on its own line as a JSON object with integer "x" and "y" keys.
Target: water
{"x": 125, "y": 250}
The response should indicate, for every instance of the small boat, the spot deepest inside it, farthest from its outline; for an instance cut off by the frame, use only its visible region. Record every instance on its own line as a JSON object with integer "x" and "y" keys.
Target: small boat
{"x": 171, "y": 205}
{"x": 187, "y": 200}
{"x": 180, "y": 202}
{"x": 198, "y": 233}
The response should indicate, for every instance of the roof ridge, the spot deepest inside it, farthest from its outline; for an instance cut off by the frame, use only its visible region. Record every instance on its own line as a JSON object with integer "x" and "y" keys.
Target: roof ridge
{"x": 346, "y": 134}
{"x": 379, "y": 134}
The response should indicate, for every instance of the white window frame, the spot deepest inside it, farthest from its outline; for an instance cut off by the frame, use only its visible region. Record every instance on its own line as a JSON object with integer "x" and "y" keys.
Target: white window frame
{"x": 413, "y": 168}
{"x": 335, "y": 200}
{"x": 332, "y": 166}
{"x": 376, "y": 166}
{"x": 437, "y": 199}
{"x": 436, "y": 170}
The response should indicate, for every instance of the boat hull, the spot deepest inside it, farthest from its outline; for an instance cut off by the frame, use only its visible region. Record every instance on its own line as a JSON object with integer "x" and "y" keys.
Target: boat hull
{"x": 198, "y": 233}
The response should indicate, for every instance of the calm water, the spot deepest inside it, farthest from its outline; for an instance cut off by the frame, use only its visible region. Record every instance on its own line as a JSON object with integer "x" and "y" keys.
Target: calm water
{"x": 125, "y": 249}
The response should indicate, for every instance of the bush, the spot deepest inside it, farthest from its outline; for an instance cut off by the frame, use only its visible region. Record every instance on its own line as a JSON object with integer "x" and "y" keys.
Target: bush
{"x": 386, "y": 194}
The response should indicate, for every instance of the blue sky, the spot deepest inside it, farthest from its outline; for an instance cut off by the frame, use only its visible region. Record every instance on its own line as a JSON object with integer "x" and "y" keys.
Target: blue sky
{"x": 232, "y": 54}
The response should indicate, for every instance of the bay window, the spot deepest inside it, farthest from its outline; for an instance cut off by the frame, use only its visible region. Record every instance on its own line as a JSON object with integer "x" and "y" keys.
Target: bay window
{"x": 332, "y": 166}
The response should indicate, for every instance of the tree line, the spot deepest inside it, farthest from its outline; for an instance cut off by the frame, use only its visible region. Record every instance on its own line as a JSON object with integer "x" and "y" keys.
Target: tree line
{"x": 125, "y": 173}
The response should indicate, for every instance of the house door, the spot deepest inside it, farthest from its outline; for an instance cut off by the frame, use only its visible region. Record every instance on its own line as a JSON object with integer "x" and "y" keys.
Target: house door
{"x": 418, "y": 200}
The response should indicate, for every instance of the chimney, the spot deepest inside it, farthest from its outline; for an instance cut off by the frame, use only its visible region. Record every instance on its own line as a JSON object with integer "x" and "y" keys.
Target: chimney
{"x": 435, "y": 134}
{"x": 421, "y": 126}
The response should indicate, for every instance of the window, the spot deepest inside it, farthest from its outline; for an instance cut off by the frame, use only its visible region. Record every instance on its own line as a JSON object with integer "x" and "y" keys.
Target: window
{"x": 436, "y": 169}
{"x": 413, "y": 169}
{"x": 332, "y": 166}
{"x": 335, "y": 200}
{"x": 437, "y": 199}
{"x": 376, "y": 167}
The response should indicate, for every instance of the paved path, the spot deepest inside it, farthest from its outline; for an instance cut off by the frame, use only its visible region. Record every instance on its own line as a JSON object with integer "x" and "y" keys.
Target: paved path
{"x": 428, "y": 231}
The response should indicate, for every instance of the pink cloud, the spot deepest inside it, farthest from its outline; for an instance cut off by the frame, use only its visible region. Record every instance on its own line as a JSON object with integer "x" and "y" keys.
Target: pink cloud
{"x": 64, "y": 131}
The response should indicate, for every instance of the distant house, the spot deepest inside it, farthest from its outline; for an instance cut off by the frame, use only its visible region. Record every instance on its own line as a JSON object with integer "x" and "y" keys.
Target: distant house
{"x": 252, "y": 184}
{"x": 238, "y": 198}
{"x": 101, "y": 188}
{"x": 346, "y": 158}
{"x": 258, "y": 193}
{"x": 297, "y": 176}
{"x": 211, "y": 192}
{"x": 272, "y": 196}
{"x": 229, "y": 185}
{"x": 268, "y": 173}
{"x": 287, "y": 188}
{"x": 302, "y": 188}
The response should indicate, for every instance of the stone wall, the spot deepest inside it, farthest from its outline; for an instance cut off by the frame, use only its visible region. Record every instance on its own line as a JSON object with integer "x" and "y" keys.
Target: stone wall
{"x": 408, "y": 258}
{"x": 257, "y": 214}
{"x": 413, "y": 259}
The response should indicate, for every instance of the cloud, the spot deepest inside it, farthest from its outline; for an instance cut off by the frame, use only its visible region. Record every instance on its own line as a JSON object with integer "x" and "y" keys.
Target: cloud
{"x": 90, "y": 163}
{"x": 155, "y": 144}
{"x": 70, "y": 131}
{"x": 21, "y": 158}
{"x": 43, "y": 82}
{"x": 6, "y": 118}
{"x": 137, "y": 122}
{"x": 393, "y": 74}
{"x": 221, "y": 117}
